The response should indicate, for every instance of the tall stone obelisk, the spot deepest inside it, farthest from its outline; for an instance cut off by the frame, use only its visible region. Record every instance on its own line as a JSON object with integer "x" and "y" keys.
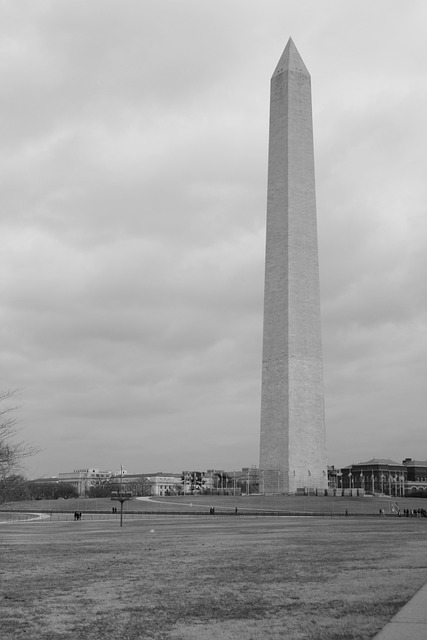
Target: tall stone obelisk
{"x": 293, "y": 440}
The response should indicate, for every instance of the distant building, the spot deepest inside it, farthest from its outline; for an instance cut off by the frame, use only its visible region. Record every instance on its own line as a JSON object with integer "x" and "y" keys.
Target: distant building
{"x": 137, "y": 483}
{"x": 221, "y": 482}
{"x": 165, "y": 484}
{"x": 81, "y": 479}
{"x": 416, "y": 471}
{"x": 334, "y": 477}
{"x": 149, "y": 484}
{"x": 378, "y": 475}
{"x": 375, "y": 476}
{"x": 140, "y": 484}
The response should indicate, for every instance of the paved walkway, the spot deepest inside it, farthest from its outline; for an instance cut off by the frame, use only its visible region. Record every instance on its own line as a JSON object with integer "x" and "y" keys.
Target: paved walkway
{"x": 410, "y": 623}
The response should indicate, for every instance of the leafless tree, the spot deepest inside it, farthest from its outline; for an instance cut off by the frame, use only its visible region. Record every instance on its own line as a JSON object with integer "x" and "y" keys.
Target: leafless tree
{"x": 12, "y": 451}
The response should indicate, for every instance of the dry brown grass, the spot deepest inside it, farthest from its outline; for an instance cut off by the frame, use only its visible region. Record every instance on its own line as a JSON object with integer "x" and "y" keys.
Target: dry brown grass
{"x": 210, "y": 579}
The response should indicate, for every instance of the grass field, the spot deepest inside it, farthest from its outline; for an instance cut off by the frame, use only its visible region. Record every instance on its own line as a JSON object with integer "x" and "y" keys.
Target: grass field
{"x": 254, "y": 504}
{"x": 187, "y": 578}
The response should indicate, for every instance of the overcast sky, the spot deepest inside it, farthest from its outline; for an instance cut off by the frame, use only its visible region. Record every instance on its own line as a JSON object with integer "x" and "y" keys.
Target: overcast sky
{"x": 133, "y": 167}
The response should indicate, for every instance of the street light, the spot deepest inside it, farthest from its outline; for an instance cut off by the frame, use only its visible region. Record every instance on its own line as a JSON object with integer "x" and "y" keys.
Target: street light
{"x": 121, "y": 496}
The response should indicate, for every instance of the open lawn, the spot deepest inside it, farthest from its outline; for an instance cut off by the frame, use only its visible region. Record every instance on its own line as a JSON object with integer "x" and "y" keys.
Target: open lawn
{"x": 210, "y": 578}
{"x": 199, "y": 505}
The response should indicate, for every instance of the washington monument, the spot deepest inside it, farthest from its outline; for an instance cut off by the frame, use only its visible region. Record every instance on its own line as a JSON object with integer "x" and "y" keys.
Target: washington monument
{"x": 293, "y": 440}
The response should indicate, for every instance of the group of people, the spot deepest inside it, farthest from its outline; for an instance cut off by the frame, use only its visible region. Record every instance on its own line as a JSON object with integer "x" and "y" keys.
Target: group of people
{"x": 77, "y": 515}
{"x": 212, "y": 510}
{"x": 415, "y": 513}
{"x": 408, "y": 513}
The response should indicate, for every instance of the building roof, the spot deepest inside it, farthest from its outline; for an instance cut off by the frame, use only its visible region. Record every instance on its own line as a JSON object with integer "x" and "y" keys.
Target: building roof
{"x": 379, "y": 461}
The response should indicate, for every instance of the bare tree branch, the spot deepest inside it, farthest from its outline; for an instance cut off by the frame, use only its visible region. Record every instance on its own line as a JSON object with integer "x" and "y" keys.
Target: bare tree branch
{"x": 12, "y": 452}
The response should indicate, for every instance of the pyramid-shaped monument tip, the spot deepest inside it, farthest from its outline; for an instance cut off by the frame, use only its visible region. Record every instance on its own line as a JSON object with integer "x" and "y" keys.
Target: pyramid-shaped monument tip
{"x": 290, "y": 60}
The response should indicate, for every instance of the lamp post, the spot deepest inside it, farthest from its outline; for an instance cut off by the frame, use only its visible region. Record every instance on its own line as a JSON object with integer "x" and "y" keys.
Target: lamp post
{"x": 121, "y": 496}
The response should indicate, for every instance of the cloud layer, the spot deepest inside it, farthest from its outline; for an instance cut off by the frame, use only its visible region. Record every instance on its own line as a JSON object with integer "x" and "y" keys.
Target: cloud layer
{"x": 133, "y": 168}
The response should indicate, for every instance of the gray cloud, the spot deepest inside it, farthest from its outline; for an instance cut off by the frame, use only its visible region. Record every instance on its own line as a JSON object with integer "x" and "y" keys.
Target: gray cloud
{"x": 133, "y": 169}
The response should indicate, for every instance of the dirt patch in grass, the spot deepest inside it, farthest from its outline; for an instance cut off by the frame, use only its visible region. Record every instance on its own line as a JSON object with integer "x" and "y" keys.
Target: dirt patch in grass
{"x": 230, "y": 578}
